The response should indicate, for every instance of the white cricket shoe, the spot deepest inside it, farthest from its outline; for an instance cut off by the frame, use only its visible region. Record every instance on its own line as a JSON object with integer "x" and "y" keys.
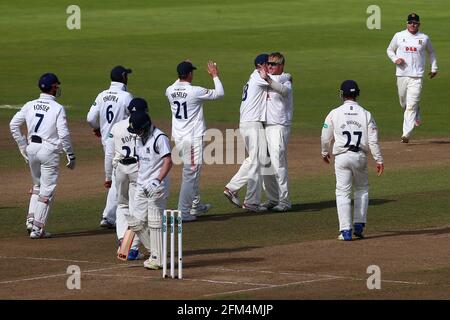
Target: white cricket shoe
{"x": 152, "y": 264}
{"x": 254, "y": 207}
{"x": 269, "y": 204}
{"x": 200, "y": 208}
{"x": 187, "y": 217}
{"x": 39, "y": 233}
{"x": 281, "y": 208}
{"x": 29, "y": 225}
{"x": 232, "y": 196}
{"x": 104, "y": 223}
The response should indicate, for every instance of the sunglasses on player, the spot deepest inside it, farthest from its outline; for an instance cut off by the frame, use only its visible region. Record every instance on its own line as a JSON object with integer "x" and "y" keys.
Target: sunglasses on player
{"x": 273, "y": 63}
{"x": 413, "y": 22}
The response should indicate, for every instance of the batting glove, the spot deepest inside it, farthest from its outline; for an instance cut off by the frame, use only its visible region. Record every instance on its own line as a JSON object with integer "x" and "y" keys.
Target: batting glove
{"x": 153, "y": 189}
{"x": 71, "y": 161}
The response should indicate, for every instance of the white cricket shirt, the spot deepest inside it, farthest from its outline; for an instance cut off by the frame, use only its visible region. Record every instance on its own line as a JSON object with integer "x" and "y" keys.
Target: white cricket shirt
{"x": 411, "y": 48}
{"x": 120, "y": 144}
{"x": 254, "y": 99}
{"x": 280, "y": 108}
{"x": 151, "y": 156}
{"x": 109, "y": 107}
{"x": 45, "y": 118}
{"x": 350, "y": 125}
{"x": 186, "y": 103}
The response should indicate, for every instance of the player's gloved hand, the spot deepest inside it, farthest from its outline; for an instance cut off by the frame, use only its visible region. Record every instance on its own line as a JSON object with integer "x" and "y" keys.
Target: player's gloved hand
{"x": 432, "y": 74}
{"x": 380, "y": 169}
{"x": 97, "y": 132}
{"x": 71, "y": 161}
{"x": 23, "y": 151}
{"x": 153, "y": 189}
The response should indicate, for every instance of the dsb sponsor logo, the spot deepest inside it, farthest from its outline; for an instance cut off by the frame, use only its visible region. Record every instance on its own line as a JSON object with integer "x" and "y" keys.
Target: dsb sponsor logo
{"x": 412, "y": 49}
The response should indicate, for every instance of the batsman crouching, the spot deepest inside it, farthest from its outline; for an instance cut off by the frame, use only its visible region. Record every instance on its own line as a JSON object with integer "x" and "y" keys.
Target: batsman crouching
{"x": 155, "y": 162}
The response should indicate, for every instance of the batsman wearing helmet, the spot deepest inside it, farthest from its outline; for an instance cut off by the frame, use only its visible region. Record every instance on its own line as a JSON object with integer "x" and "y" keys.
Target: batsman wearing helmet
{"x": 155, "y": 162}
{"x": 48, "y": 135}
{"x": 122, "y": 162}
{"x": 110, "y": 107}
{"x": 355, "y": 133}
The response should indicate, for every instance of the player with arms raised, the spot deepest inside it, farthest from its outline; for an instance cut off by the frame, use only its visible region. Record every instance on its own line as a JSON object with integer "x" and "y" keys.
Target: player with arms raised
{"x": 188, "y": 129}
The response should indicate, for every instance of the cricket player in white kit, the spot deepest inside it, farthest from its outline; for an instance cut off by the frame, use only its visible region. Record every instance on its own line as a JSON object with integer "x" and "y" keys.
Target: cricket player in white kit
{"x": 251, "y": 127}
{"x": 121, "y": 161}
{"x": 110, "y": 107}
{"x": 155, "y": 162}
{"x": 355, "y": 133}
{"x": 188, "y": 129}
{"x": 48, "y": 135}
{"x": 279, "y": 114}
{"x": 408, "y": 50}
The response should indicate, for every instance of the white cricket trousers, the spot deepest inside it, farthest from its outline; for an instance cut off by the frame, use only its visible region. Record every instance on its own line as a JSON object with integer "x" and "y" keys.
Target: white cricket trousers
{"x": 276, "y": 184}
{"x": 351, "y": 170}
{"x": 126, "y": 177}
{"x": 43, "y": 160}
{"x": 409, "y": 90}
{"x": 251, "y": 169}
{"x": 191, "y": 153}
{"x": 111, "y": 201}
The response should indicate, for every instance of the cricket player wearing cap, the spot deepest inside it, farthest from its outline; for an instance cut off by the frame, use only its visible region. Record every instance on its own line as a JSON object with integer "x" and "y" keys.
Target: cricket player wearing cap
{"x": 279, "y": 114}
{"x": 407, "y": 50}
{"x": 251, "y": 127}
{"x": 155, "y": 162}
{"x": 122, "y": 162}
{"x": 188, "y": 129}
{"x": 48, "y": 135}
{"x": 355, "y": 133}
{"x": 110, "y": 107}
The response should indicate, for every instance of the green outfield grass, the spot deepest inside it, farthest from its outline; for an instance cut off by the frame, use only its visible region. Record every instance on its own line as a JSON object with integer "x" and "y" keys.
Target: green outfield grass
{"x": 396, "y": 204}
{"x": 324, "y": 42}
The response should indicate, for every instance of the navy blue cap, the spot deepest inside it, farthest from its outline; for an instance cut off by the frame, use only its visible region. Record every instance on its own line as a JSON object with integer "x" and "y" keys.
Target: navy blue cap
{"x": 184, "y": 68}
{"x": 349, "y": 88}
{"x": 139, "y": 121}
{"x": 118, "y": 72}
{"x": 262, "y": 58}
{"x": 137, "y": 104}
{"x": 413, "y": 17}
{"x": 47, "y": 80}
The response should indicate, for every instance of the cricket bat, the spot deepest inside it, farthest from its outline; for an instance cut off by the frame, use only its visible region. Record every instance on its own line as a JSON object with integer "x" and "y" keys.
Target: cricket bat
{"x": 122, "y": 253}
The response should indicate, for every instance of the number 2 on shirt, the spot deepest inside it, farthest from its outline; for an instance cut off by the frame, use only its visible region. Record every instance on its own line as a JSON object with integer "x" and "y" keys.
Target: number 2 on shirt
{"x": 349, "y": 137}
{"x": 179, "y": 105}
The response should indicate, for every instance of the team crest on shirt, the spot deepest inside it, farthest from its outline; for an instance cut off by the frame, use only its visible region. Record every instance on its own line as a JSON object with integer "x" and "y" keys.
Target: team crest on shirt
{"x": 420, "y": 41}
{"x": 147, "y": 150}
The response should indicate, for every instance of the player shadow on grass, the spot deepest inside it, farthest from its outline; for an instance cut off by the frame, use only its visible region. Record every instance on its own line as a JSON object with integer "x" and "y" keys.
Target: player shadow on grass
{"x": 296, "y": 208}
{"x": 396, "y": 233}
{"x": 83, "y": 233}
